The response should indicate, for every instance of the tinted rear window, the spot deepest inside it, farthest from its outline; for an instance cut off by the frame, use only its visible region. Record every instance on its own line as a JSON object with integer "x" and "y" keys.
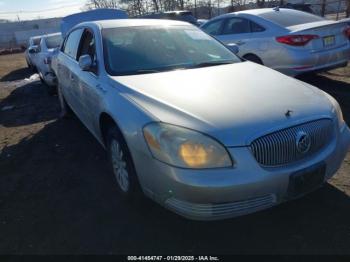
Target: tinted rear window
{"x": 287, "y": 19}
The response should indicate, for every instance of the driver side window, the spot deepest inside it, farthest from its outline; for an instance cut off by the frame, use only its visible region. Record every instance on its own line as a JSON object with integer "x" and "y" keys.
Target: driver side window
{"x": 88, "y": 47}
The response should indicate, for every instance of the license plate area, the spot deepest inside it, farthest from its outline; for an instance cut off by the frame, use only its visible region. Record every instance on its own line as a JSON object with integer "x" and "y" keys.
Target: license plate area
{"x": 328, "y": 40}
{"x": 306, "y": 180}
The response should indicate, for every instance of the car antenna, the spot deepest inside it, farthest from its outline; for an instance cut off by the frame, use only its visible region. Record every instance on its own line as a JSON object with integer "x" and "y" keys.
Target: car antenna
{"x": 277, "y": 8}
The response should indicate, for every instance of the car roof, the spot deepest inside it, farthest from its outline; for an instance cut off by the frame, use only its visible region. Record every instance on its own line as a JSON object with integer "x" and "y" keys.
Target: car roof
{"x": 53, "y": 34}
{"x": 177, "y": 12}
{"x": 134, "y": 22}
{"x": 36, "y": 37}
{"x": 260, "y": 11}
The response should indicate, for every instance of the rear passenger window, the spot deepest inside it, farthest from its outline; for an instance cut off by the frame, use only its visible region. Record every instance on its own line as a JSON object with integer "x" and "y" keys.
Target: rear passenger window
{"x": 236, "y": 26}
{"x": 255, "y": 28}
{"x": 72, "y": 43}
{"x": 213, "y": 28}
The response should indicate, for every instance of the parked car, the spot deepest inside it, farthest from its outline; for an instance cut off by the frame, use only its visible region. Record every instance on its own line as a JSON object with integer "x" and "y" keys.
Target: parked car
{"x": 48, "y": 48}
{"x": 346, "y": 20}
{"x": 184, "y": 121}
{"x": 92, "y": 15}
{"x": 183, "y": 15}
{"x": 301, "y": 7}
{"x": 290, "y": 41}
{"x": 31, "y": 51}
{"x": 201, "y": 21}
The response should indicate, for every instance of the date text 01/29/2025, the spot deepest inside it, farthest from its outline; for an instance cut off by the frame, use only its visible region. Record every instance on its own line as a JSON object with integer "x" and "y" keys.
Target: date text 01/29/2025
{"x": 173, "y": 258}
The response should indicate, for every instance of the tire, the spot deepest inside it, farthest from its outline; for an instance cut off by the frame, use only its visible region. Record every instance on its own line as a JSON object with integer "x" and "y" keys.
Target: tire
{"x": 121, "y": 165}
{"x": 253, "y": 58}
{"x": 66, "y": 111}
{"x": 29, "y": 66}
{"x": 51, "y": 90}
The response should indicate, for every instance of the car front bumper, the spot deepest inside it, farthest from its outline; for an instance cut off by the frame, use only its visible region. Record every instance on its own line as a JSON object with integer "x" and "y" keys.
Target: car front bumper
{"x": 213, "y": 194}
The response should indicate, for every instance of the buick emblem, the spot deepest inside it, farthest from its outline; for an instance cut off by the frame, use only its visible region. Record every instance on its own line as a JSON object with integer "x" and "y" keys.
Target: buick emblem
{"x": 303, "y": 142}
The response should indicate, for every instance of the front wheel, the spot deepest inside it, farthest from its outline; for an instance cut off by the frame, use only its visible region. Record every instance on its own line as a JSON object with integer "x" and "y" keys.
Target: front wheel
{"x": 122, "y": 164}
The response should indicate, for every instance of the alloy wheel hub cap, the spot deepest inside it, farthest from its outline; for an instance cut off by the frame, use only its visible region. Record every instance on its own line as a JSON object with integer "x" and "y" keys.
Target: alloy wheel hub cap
{"x": 119, "y": 166}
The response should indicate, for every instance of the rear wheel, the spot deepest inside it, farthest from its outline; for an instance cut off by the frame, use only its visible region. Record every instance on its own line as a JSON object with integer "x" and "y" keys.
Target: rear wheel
{"x": 51, "y": 90}
{"x": 253, "y": 58}
{"x": 121, "y": 164}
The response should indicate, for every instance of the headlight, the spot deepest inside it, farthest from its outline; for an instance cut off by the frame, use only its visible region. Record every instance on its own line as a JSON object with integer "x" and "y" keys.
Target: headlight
{"x": 337, "y": 110}
{"x": 185, "y": 148}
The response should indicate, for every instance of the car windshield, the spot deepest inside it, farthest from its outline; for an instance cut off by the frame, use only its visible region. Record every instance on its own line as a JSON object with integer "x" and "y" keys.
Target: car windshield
{"x": 53, "y": 41}
{"x": 296, "y": 18}
{"x": 145, "y": 49}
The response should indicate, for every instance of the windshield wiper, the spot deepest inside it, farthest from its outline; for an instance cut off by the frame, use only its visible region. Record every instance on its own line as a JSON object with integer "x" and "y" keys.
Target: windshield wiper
{"x": 211, "y": 63}
{"x": 146, "y": 71}
{"x": 150, "y": 71}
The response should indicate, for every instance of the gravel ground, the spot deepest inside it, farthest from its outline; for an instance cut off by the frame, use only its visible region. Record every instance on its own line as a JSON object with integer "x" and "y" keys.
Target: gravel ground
{"x": 57, "y": 197}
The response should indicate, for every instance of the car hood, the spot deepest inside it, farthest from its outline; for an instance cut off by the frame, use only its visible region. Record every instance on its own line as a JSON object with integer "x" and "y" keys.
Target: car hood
{"x": 234, "y": 103}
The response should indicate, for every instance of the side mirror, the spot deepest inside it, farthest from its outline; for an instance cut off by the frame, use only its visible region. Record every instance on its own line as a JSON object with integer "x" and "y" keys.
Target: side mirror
{"x": 85, "y": 62}
{"x": 33, "y": 49}
{"x": 234, "y": 48}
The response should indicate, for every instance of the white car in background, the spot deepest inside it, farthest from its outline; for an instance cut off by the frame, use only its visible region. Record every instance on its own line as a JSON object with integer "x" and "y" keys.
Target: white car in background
{"x": 31, "y": 51}
{"x": 290, "y": 41}
{"x": 48, "y": 47}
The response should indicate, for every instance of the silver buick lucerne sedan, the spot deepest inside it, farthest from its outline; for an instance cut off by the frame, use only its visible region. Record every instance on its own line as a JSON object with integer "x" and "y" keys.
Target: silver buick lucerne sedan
{"x": 193, "y": 127}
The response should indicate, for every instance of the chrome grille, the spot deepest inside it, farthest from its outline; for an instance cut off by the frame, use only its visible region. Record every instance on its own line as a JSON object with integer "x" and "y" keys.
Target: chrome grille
{"x": 280, "y": 148}
{"x": 220, "y": 210}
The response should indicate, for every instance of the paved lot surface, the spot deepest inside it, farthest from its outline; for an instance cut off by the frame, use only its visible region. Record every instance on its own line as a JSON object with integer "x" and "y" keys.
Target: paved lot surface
{"x": 57, "y": 197}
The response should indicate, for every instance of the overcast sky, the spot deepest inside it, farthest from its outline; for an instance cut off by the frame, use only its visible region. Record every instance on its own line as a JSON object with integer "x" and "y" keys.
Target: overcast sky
{"x": 32, "y": 9}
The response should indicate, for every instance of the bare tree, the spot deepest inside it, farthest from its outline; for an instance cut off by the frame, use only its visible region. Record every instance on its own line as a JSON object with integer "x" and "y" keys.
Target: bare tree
{"x": 260, "y": 3}
{"x": 323, "y": 7}
{"x": 94, "y": 4}
{"x": 238, "y": 5}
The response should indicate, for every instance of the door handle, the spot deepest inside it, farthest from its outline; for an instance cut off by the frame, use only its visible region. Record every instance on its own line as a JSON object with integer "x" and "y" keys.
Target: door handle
{"x": 240, "y": 42}
{"x": 102, "y": 88}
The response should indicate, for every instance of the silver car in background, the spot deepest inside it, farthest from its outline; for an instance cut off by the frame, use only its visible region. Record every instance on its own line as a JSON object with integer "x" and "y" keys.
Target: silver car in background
{"x": 46, "y": 50}
{"x": 31, "y": 51}
{"x": 290, "y": 41}
{"x": 184, "y": 121}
